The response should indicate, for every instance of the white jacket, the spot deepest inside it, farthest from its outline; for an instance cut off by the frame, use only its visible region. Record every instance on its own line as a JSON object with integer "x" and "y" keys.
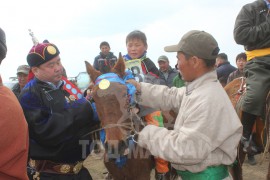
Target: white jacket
{"x": 207, "y": 129}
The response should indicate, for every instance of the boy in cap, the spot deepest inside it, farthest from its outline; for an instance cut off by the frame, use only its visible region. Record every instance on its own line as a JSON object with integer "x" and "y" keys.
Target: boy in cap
{"x": 197, "y": 147}
{"x": 59, "y": 119}
{"x": 22, "y": 75}
{"x": 166, "y": 72}
{"x": 14, "y": 130}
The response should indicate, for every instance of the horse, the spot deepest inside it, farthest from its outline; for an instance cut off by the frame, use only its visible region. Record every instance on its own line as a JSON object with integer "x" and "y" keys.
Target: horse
{"x": 236, "y": 90}
{"x": 123, "y": 158}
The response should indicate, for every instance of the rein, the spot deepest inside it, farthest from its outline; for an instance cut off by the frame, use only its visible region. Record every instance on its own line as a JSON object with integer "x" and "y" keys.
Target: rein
{"x": 241, "y": 89}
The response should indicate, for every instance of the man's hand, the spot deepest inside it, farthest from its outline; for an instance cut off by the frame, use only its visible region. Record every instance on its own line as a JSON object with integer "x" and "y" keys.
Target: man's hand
{"x": 136, "y": 84}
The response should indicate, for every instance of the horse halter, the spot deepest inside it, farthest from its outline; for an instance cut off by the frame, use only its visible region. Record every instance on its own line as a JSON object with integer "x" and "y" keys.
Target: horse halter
{"x": 103, "y": 81}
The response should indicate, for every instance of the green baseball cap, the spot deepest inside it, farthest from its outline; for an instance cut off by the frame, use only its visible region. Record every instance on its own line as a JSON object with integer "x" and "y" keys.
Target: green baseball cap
{"x": 196, "y": 43}
{"x": 163, "y": 58}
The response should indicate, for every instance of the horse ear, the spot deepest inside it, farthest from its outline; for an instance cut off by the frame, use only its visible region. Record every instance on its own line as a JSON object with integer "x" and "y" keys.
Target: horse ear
{"x": 119, "y": 67}
{"x": 93, "y": 73}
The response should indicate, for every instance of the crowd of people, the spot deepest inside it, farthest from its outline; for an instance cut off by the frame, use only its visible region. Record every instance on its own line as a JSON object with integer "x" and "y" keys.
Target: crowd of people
{"x": 46, "y": 121}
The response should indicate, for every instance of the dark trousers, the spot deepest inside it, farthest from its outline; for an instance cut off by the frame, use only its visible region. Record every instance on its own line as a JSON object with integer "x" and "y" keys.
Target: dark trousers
{"x": 82, "y": 175}
{"x": 257, "y": 73}
{"x": 248, "y": 121}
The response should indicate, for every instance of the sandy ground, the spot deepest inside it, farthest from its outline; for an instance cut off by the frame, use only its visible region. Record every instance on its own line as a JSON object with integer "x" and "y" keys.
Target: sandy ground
{"x": 94, "y": 163}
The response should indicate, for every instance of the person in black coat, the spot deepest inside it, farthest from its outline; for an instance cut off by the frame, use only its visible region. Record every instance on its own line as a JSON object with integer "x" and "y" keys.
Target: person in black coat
{"x": 59, "y": 118}
{"x": 224, "y": 68}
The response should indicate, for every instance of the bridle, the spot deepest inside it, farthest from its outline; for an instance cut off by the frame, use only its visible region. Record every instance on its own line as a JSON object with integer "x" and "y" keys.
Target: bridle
{"x": 131, "y": 103}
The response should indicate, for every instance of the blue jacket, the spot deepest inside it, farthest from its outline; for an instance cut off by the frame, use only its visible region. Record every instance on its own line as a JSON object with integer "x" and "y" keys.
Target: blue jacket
{"x": 224, "y": 70}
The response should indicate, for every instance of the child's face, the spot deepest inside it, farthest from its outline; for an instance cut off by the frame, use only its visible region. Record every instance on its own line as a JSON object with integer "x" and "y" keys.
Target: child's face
{"x": 136, "y": 48}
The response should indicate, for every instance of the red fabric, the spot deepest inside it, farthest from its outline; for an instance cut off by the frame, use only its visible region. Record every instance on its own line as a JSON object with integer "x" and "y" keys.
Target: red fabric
{"x": 69, "y": 90}
{"x": 14, "y": 137}
{"x": 30, "y": 76}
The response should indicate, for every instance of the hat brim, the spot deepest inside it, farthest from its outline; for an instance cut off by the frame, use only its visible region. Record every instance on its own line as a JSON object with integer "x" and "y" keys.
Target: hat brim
{"x": 164, "y": 60}
{"x": 24, "y": 72}
{"x": 172, "y": 48}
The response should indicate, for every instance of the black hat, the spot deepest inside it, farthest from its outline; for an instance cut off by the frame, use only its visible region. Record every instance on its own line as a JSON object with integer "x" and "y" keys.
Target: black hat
{"x": 3, "y": 46}
{"x": 42, "y": 53}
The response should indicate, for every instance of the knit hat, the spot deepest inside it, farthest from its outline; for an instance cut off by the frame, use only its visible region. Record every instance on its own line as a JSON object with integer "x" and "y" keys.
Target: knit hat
{"x": 196, "y": 43}
{"x": 42, "y": 53}
{"x": 3, "y": 46}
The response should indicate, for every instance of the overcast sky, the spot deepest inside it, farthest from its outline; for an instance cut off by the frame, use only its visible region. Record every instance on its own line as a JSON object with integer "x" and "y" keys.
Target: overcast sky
{"x": 78, "y": 27}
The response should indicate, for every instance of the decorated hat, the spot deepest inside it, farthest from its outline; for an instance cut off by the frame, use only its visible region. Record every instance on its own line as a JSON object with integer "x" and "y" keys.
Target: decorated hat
{"x": 42, "y": 53}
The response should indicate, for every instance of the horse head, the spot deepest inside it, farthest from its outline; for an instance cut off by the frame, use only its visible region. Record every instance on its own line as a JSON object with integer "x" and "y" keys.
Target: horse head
{"x": 112, "y": 96}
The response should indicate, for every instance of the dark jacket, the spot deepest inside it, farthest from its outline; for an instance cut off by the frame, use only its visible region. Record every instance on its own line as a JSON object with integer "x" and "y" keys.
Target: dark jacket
{"x": 252, "y": 26}
{"x": 16, "y": 90}
{"x": 171, "y": 75}
{"x": 149, "y": 67}
{"x": 104, "y": 63}
{"x": 223, "y": 71}
{"x": 57, "y": 125}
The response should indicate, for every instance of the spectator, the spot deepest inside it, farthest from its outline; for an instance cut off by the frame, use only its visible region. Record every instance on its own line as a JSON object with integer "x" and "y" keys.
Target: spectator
{"x": 178, "y": 81}
{"x": 241, "y": 60}
{"x": 105, "y": 60}
{"x": 224, "y": 68}
{"x": 22, "y": 75}
{"x": 166, "y": 72}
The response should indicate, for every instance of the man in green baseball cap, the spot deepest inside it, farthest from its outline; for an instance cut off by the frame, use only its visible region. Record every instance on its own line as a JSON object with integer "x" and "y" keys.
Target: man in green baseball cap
{"x": 207, "y": 129}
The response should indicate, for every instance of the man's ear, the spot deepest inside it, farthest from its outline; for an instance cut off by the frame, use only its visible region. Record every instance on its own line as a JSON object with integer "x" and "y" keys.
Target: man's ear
{"x": 196, "y": 62}
{"x": 34, "y": 70}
